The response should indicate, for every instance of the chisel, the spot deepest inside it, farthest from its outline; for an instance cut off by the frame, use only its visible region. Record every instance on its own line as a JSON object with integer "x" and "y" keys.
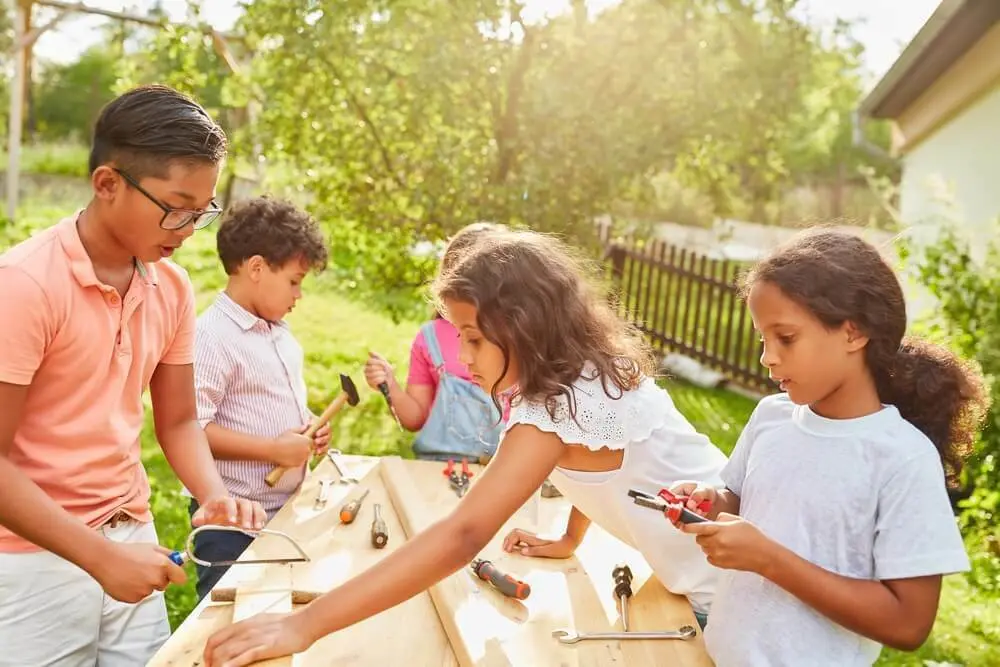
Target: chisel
{"x": 504, "y": 583}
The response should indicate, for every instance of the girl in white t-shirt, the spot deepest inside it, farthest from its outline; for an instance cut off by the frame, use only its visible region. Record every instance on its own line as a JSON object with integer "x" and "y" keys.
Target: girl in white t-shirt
{"x": 584, "y": 410}
{"x": 833, "y": 525}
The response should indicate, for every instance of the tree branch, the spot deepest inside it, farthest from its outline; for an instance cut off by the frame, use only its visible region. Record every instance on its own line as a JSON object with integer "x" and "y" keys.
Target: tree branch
{"x": 362, "y": 113}
{"x": 507, "y": 129}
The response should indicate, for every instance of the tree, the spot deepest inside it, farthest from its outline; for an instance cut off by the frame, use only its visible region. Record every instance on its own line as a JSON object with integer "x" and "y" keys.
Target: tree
{"x": 68, "y": 98}
{"x": 400, "y": 123}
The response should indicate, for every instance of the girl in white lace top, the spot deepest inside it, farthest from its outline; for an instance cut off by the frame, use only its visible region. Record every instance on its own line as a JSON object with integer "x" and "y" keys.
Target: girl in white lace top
{"x": 584, "y": 410}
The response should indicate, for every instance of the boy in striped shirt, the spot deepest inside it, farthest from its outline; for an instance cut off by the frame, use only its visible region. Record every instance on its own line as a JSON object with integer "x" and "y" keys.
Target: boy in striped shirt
{"x": 249, "y": 384}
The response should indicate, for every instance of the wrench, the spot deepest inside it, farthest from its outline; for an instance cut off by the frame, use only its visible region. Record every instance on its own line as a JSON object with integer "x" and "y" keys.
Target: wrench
{"x": 332, "y": 454}
{"x": 572, "y": 636}
{"x": 322, "y": 494}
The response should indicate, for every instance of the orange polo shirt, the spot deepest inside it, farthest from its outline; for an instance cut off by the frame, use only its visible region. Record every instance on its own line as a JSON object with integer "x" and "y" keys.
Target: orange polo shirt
{"x": 88, "y": 356}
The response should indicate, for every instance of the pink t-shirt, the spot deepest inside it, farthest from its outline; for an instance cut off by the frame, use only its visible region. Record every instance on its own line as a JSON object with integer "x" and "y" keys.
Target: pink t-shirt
{"x": 422, "y": 370}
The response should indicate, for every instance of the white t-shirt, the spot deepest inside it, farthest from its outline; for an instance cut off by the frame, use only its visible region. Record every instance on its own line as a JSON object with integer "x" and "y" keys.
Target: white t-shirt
{"x": 864, "y": 498}
{"x": 660, "y": 447}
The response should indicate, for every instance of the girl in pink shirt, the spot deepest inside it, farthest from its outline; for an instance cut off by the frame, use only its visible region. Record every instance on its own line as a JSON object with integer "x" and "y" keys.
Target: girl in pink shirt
{"x": 451, "y": 415}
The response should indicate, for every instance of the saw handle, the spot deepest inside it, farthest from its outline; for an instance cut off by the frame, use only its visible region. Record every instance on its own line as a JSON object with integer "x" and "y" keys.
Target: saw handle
{"x": 276, "y": 473}
{"x": 505, "y": 583}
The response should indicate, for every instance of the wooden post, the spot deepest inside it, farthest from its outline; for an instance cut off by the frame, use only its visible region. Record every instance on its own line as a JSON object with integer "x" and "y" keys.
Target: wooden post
{"x": 16, "y": 117}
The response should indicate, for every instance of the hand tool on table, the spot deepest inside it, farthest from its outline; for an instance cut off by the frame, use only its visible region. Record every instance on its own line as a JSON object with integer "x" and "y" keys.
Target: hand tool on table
{"x": 322, "y": 494}
{"x": 622, "y": 574}
{"x": 664, "y": 499}
{"x": 453, "y": 479}
{"x": 332, "y": 454}
{"x": 229, "y": 595}
{"x": 181, "y": 557}
{"x": 348, "y": 394}
{"x": 572, "y": 636}
{"x": 380, "y": 534}
{"x": 505, "y": 583}
{"x": 349, "y": 512}
{"x": 459, "y": 482}
{"x": 384, "y": 388}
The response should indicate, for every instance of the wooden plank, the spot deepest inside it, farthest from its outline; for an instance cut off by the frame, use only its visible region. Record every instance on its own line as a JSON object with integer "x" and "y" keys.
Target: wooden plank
{"x": 337, "y": 552}
{"x": 488, "y": 630}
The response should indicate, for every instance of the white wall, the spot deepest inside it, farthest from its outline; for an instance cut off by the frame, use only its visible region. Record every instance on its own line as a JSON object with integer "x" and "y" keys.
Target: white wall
{"x": 954, "y": 176}
{"x": 954, "y": 173}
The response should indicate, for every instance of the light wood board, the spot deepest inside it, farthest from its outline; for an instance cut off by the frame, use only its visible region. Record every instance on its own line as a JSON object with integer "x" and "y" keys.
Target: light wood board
{"x": 337, "y": 552}
{"x": 487, "y": 629}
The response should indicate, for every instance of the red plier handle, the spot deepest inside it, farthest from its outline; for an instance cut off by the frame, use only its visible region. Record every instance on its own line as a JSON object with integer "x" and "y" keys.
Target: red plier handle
{"x": 704, "y": 506}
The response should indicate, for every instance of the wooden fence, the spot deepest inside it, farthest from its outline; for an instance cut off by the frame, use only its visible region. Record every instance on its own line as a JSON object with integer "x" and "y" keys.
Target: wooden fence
{"x": 688, "y": 303}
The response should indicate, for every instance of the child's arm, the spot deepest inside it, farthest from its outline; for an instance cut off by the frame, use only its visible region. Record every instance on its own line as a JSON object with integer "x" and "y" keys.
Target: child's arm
{"x": 529, "y": 544}
{"x": 127, "y": 573}
{"x": 290, "y": 449}
{"x": 186, "y": 449}
{"x": 898, "y": 613}
{"x": 521, "y": 465}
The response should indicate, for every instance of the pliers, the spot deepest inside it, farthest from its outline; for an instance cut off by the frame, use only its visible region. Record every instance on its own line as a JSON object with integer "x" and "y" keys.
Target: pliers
{"x": 665, "y": 499}
{"x": 459, "y": 484}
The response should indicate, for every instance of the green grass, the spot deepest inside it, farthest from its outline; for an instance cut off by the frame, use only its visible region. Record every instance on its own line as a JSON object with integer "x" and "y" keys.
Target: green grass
{"x": 51, "y": 159}
{"x": 336, "y": 334}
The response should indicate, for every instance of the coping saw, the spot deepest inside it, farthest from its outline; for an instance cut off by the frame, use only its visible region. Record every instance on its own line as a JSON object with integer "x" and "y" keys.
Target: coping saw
{"x": 181, "y": 557}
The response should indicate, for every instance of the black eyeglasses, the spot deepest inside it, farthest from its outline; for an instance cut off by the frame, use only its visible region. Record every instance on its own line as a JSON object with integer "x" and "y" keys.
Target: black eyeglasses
{"x": 177, "y": 218}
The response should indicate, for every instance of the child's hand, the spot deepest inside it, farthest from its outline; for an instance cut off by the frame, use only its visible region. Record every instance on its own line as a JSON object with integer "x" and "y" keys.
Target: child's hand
{"x": 255, "y": 639}
{"x": 529, "y": 544}
{"x": 322, "y": 439}
{"x": 377, "y": 370}
{"x": 696, "y": 493}
{"x": 130, "y": 572}
{"x": 230, "y": 511}
{"x": 292, "y": 449}
{"x": 733, "y": 543}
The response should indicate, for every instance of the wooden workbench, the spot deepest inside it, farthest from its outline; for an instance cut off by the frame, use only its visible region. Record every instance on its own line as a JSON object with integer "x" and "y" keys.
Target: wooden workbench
{"x": 461, "y": 620}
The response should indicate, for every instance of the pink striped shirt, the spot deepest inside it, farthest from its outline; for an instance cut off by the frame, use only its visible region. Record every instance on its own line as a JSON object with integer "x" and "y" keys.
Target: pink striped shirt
{"x": 248, "y": 378}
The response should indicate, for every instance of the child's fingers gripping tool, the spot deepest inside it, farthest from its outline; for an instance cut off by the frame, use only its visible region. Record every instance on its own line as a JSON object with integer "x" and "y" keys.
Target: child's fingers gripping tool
{"x": 665, "y": 499}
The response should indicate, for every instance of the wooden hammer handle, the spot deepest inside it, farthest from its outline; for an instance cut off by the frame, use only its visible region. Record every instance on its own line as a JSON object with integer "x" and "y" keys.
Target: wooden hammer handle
{"x": 274, "y": 476}
{"x": 229, "y": 595}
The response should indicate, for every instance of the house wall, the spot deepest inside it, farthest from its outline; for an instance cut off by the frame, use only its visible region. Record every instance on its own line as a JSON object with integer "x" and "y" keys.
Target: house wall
{"x": 953, "y": 177}
{"x": 950, "y": 144}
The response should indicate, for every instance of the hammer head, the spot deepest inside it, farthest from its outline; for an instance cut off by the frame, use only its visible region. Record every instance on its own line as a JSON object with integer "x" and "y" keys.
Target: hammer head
{"x": 347, "y": 384}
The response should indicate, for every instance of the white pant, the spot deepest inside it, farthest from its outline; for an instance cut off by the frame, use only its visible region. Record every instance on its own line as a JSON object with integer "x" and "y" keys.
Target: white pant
{"x": 53, "y": 614}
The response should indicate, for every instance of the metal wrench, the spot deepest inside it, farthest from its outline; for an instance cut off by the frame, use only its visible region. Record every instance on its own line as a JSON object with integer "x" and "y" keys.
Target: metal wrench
{"x": 322, "y": 494}
{"x": 332, "y": 454}
{"x": 572, "y": 636}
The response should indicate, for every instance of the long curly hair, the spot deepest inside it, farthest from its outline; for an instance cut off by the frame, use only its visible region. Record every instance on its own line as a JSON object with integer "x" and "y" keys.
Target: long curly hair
{"x": 535, "y": 300}
{"x": 839, "y": 277}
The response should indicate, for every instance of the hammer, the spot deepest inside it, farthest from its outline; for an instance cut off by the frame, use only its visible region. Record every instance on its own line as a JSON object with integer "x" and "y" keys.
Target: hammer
{"x": 348, "y": 394}
{"x": 229, "y": 595}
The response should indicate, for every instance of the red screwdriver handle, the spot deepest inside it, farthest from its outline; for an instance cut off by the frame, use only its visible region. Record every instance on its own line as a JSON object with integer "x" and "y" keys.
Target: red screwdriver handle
{"x": 504, "y": 583}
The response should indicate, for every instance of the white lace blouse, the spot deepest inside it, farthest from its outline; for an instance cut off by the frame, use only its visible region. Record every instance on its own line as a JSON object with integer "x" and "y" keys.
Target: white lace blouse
{"x": 660, "y": 447}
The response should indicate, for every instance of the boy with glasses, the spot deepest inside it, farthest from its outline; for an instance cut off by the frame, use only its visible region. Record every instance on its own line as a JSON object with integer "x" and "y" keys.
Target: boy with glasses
{"x": 91, "y": 319}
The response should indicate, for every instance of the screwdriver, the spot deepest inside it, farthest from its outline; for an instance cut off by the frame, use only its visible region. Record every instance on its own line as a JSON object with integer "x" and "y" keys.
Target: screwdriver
{"x": 622, "y": 574}
{"x": 380, "y": 535}
{"x": 350, "y": 511}
{"x": 384, "y": 388}
{"x": 506, "y": 584}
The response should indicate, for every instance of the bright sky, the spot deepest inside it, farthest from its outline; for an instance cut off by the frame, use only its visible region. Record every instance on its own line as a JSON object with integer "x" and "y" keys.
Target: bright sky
{"x": 888, "y": 24}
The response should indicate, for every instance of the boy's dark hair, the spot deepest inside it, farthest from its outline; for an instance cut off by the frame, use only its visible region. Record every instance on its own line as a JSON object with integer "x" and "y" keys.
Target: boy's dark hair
{"x": 839, "y": 277}
{"x": 536, "y": 302}
{"x": 147, "y": 129}
{"x": 274, "y": 229}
